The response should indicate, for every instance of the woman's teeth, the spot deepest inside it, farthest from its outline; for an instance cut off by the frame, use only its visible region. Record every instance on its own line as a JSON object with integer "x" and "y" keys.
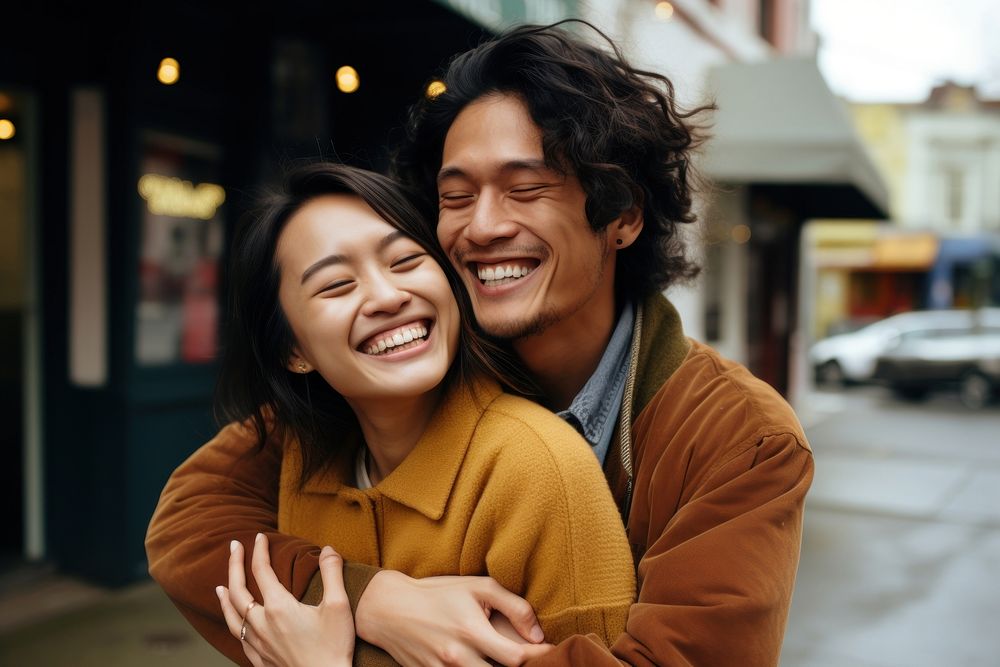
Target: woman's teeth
{"x": 399, "y": 339}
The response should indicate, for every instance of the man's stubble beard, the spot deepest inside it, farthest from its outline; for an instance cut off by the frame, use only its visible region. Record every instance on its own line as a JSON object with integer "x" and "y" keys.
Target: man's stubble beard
{"x": 541, "y": 321}
{"x": 513, "y": 331}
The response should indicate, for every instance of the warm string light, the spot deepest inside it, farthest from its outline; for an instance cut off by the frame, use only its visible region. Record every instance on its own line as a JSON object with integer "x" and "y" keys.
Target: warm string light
{"x": 664, "y": 11}
{"x": 740, "y": 233}
{"x": 169, "y": 72}
{"x": 7, "y": 129}
{"x": 347, "y": 79}
{"x": 435, "y": 88}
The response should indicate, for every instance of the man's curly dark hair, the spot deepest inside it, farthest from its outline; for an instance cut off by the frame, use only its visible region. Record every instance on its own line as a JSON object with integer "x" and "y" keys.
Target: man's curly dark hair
{"x": 617, "y": 128}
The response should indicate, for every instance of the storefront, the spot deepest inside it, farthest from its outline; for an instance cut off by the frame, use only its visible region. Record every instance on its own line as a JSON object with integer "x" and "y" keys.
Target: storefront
{"x": 136, "y": 151}
{"x": 783, "y": 151}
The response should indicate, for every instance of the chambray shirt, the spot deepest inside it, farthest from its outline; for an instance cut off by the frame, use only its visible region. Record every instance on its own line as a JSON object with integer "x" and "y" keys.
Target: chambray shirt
{"x": 594, "y": 411}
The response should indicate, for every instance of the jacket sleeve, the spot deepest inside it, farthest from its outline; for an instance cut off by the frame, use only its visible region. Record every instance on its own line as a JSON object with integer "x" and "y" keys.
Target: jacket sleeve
{"x": 721, "y": 553}
{"x": 228, "y": 490}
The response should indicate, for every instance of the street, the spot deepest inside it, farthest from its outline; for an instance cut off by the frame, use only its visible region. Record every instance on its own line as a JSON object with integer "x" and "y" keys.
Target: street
{"x": 902, "y": 535}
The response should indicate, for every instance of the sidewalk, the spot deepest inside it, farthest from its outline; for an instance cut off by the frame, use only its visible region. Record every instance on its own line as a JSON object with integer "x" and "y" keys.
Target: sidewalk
{"x": 51, "y": 620}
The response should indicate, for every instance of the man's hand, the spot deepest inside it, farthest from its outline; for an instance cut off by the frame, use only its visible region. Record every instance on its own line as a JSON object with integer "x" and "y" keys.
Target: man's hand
{"x": 444, "y": 621}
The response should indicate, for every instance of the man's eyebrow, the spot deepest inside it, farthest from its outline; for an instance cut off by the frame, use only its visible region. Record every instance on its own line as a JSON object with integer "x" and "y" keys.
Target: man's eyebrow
{"x": 329, "y": 260}
{"x": 512, "y": 165}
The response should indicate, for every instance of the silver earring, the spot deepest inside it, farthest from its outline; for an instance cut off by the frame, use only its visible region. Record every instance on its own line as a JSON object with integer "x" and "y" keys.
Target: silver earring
{"x": 302, "y": 367}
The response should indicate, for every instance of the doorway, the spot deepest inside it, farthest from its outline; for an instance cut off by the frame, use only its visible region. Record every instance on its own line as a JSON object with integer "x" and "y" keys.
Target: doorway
{"x": 19, "y": 374}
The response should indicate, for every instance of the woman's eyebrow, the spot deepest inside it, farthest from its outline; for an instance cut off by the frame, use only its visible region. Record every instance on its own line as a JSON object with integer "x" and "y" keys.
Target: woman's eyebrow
{"x": 323, "y": 263}
{"x": 329, "y": 260}
{"x": 390, "y": 238}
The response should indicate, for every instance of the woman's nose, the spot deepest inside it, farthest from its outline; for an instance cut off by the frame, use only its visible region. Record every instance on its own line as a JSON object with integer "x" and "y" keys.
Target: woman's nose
{"x": 384, "y": 296}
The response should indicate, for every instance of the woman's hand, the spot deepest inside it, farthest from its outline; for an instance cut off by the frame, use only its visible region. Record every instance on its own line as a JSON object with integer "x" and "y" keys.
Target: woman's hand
{"x": 279, "y": 630}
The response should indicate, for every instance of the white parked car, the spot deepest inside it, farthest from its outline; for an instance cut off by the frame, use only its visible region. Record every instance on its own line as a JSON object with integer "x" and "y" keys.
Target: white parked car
{"x": 850, "y": 358}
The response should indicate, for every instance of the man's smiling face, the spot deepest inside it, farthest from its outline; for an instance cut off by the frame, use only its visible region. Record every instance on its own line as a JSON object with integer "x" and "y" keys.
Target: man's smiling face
{"x": 516, "y": 229}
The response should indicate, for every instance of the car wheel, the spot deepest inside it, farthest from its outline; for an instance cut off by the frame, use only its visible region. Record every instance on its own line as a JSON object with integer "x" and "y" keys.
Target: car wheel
{"x": 830, "y": 374}
{"x": 975, "y": 391}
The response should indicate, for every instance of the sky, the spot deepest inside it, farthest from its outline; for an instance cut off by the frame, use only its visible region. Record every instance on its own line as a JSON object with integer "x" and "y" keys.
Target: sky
{"x": 897, "y": 50}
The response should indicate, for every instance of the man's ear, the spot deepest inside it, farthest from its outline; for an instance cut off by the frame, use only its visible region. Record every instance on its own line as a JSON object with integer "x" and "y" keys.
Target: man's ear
{"x": 624, "y": 230}
{"x": 297, "y": 364}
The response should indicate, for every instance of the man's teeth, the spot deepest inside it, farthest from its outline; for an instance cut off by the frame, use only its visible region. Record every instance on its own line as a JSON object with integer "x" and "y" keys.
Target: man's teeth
{"x": 397, "y": 339}
{"x": 494, "y": 275}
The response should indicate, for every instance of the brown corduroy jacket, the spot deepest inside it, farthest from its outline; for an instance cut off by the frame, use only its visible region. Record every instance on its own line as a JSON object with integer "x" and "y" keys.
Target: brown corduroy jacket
{"x": 721, "y": 471}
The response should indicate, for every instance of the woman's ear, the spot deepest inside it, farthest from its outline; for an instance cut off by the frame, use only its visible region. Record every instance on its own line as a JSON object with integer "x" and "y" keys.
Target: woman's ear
{"x": 625, "y": 228}
{"x": 297, "y": 364}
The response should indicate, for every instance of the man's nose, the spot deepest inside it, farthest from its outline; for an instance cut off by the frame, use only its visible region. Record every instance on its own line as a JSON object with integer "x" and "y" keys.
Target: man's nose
{"x": 490, "y": 222}
{"x": 384, "y": 296}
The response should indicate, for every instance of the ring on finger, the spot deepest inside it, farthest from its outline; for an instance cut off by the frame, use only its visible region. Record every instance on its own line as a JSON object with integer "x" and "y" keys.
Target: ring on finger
{"x": 246, "y": 614}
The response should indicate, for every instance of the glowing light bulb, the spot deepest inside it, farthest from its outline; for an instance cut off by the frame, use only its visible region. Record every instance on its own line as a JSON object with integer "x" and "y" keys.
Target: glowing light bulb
{"x": 7, "y": 129}
{"x": 435, "y": 88}
{"x": 347, "y": 79}
{"x": 169, "y": 72}
{"x": 740, "y": 234}
{"x": 664, "y": 11}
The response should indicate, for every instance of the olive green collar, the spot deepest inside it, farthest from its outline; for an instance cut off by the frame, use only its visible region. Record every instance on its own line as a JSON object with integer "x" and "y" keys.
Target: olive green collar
{"x": 662, "y": 349}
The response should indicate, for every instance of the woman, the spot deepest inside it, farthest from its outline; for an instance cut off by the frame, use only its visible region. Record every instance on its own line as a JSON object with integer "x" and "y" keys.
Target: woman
{"x": 401, "y": 448}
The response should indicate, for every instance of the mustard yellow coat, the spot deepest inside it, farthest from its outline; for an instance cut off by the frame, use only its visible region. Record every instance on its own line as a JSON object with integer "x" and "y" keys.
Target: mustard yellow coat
{"x": 496, "y": 486}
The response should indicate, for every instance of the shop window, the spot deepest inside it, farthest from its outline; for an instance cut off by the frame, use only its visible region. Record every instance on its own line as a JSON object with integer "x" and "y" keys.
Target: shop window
{"x": 182, "y": 236}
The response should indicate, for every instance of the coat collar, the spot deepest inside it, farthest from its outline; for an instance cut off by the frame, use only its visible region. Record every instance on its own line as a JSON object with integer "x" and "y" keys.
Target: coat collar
{"x": 661, "y": 351}
{"x": 659, "y": 347}
{"x": 425, "y": 478}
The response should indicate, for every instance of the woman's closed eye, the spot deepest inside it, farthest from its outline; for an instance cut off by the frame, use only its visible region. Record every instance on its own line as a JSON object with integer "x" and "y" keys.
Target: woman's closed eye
{"x": 335, "y": 288}
{"x": 408, "y": 261}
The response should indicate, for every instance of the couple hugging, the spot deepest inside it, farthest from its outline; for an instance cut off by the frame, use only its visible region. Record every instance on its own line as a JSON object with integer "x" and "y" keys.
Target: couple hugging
{"x": 475, "y": 432}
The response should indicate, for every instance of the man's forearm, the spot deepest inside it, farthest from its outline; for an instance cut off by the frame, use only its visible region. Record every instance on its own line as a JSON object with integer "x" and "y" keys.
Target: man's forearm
{"x": 717, "y": 576}
{"x": 227, "y": 490}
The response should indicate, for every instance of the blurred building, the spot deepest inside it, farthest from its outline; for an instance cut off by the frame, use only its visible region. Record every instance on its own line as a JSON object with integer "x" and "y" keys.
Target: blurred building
{"x": 131, "y": 138}
{"x": 941, "y": 248}
{"x": 133, "y": 135}
{"x": 783, "y": 150}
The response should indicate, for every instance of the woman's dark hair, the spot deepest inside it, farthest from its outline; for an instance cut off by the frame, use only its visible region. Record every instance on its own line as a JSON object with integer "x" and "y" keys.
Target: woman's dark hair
{"x": 255, "y": 385}
{"x": 617, "y": 128}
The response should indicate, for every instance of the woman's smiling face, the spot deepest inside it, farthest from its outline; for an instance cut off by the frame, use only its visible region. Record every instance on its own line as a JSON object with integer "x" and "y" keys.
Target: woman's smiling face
{"x": 370, "y": 310}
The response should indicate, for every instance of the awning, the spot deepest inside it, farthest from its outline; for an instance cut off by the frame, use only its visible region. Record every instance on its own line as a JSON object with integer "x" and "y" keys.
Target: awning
{"x": 779, "y": 124}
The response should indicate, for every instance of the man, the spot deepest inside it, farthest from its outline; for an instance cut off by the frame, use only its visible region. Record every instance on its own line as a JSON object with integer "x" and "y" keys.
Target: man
{"x": 560, "y": 173}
